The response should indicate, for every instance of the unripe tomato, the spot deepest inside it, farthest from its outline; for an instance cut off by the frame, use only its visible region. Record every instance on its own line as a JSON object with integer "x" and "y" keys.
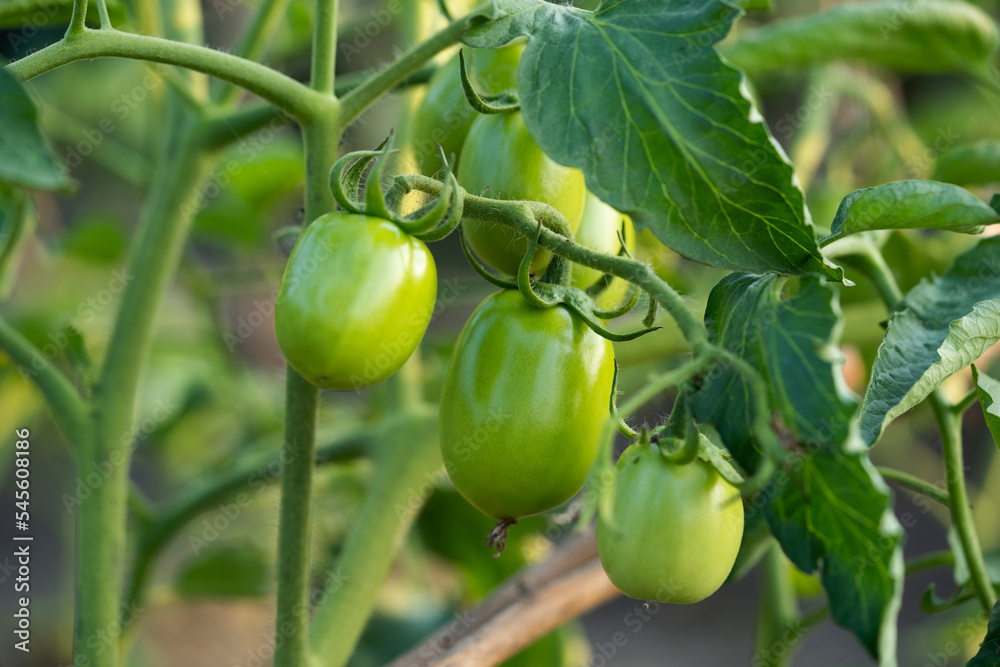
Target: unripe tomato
{"x": 355, "y": 300}
{"x": 523, "y": 406}
{"x": 676, "y": 529}
{"x": 599, "y": 227}
{"x": 500, "y": 155}
{"x": 445, "y": 116}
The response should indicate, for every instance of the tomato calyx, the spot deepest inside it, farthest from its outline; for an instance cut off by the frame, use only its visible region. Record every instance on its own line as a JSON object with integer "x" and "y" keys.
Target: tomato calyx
{"x": 498, "y": 536}
{"x": 485, "y": 104}
{"x": 430, "y": 222}
{"x": 543, "y": 294}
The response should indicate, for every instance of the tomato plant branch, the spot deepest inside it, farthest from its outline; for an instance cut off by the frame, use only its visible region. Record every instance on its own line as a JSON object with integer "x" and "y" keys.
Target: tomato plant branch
{"x": 101, "y": 541}
{"x": 777, "y": 613}
{"x": 406, "y": 463}
{"x": 64, "y": 400}
{"x": 363, "y": 96}
{"x": 914, "y": 483}
{"x": 321, "y": 139}
{"x": 930, "y": 561}
{"x": 949, "y": 422}
{"x": 950, "y": 425}
{"x": 324, "y": 51}
{"x": 279, "y": 89}
{"x": 78, "y": 20}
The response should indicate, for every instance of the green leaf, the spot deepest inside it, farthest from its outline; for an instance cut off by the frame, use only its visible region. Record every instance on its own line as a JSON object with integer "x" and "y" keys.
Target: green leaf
{"x": 792, "y": 344}
{"x": 988, "y": 390}
{"x": 27, "y": 157}
{"x": 939, "y": 328}
{"x": 831, "y": 510}
{"x": 970, "y": 164}
{"x": 17, "y": 222}
{"x": 238, "y": 571}
{"x": 989, "y": 650}
{"x": 635, "y": 95}
{"x": 911, "y": 205}
{"x": 929, "y": 36}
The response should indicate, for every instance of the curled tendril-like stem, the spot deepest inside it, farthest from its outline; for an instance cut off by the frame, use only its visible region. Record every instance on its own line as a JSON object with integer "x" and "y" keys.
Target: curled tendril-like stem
{"x": 650, "y": 318}
{"x": 345, "y": 187}
{"x": 626, "y": 305}
{"x": 485, "y": 104}
{"x": 620, "y": 424}
{"x": 480, "y": 269}
{"x": 498, "y": 536}
{"x": 524, "y": 274}
{"x": 432, "y": 221}
{"x": 681, "y": 428}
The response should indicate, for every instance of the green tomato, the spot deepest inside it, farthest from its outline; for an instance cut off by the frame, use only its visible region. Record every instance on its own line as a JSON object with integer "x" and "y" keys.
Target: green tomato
{"x": 355, "y": 300}
{"x": 445, "y": 116}
{"x": 676, "y": 529}
{"x": 599, "y": 227}
{"x": 523, "y": 406}
{"x": 501, "y": 160}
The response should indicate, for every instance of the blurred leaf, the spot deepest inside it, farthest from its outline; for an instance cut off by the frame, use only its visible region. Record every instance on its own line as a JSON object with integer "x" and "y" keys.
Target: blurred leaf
{"x": 637, "y": 97}
{"x": 246, "y": 189}
{"x": 939, "y": 328}
{"x": 989, "y": 651}
{"x": 988, "y": 390}
{"x": 27, "y": 158}
{"x": 233, "y": 571}
{"x": 17, "y": 222}
{"x": 932, "y": 36}
{"x": 970, "y": 164}
{"x": 912, "y": 205}
{"x": 99, "y": 241}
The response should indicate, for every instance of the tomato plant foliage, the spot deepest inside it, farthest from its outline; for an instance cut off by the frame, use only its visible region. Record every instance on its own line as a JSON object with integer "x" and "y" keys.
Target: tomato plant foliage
{"x": 636, "y": 112}
{"x": 636, "y": 96}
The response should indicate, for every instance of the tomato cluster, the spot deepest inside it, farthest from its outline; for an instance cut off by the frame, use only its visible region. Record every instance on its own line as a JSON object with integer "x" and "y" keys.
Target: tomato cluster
{"x": 526, "y": 398}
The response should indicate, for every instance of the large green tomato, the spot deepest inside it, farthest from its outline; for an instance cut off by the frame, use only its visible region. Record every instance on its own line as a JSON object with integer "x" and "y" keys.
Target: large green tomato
{"x": 445, "y": 116}
{"x": 599, "y": 227}
{"x": 355, "y": 300}
{"x": 501, "y": 160}
{"x": 523, "y": 406}
{"x": 676, "y": 529}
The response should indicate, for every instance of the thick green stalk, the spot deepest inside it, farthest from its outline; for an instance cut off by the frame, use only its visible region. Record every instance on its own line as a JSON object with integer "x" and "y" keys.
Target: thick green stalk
{"x": 324, "y": 51}
{"x": 283, "y": 91}
{"x": 405, "y": 470}
{"x": 298, "y": 453}
{"x": 950, "y": 425}
{"x": 321, "y": 136}
{"x": 779, "y": 627}
{"x": 78, "y": 20}
{"x": 102, "y": 516}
